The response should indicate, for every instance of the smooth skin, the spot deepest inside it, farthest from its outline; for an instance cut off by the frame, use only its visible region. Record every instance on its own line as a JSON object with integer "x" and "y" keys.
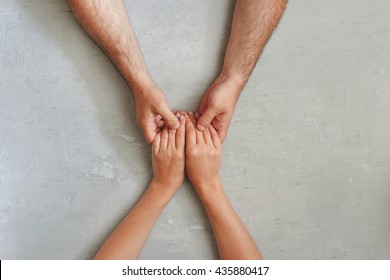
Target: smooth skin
{"x": 129, "y": 238}
{"x": 203, "y": 161}
{"x": 199, "y": 155}
{"x": 107, "y": 23}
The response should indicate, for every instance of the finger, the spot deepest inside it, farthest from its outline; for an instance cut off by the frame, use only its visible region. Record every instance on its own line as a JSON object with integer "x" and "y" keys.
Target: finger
{"x": 205, "y": 100}
{"x": 221, "y": 129}
{"x": 222, "y": 135}
{"x": 172, "y": 138}
{"x": 161, "y": 123}
{"x": 180, "y": 134}
{"x": 206, "y": 118}
{"x": 158, "y": 118}
{"x": 207, "y": 137}
{"x": 169, "y": 117}
{"x": 180, "y": 112}
{"x": 197, "y": 115}
{"x": 156, "y": 144}
{"x": 164, "y": 139}
{"x": 198, "y": 133}
{"x": 149, "y": 135}
{"x": 190, "y": 132}
{"x": 215, "y": 137}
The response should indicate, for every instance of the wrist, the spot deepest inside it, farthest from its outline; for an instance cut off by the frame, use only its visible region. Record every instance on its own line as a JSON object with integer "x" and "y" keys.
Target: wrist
{"x": 235, "y": 79}
{"x": 208, "y": 188}
{"x": 141, "y": 84}
{"x": 163, "y": 191}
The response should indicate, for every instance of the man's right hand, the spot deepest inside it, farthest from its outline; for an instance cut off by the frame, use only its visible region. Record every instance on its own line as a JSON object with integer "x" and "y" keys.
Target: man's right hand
{"x": 153, "y": 112}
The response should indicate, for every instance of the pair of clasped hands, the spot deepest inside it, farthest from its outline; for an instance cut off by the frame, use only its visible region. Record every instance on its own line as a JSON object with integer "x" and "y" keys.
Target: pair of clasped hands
{"x": 186, "y": 150}
{"x": 176, "y": 152}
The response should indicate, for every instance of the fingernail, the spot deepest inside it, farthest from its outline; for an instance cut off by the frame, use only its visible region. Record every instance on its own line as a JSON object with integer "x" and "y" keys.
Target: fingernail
{"x": 190, "y": 113}
{"x": 176, "y": 126}
{"x": 181, "y": 117}
{"x": 201, "y": 127}
{"x": 178, "y": 115}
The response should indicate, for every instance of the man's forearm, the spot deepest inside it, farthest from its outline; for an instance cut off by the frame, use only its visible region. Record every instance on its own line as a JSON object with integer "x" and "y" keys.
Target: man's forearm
{"x": 233, "y": 239}
{"x": 253, "y": 23}
{"x": 107, "y": 23}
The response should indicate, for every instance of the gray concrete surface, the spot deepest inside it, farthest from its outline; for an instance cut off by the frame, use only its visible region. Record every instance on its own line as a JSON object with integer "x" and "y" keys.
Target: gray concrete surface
{"x": 306, "y": 162}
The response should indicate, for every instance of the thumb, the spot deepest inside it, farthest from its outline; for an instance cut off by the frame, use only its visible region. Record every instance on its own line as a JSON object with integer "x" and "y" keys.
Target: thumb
{"x": 169, "y": 117}
{"x": 206, "y": 118}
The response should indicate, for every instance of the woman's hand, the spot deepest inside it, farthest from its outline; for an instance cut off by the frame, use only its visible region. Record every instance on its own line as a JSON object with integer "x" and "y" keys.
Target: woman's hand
{"x": 203, "y": 154}
{"x": 168, "y": 157}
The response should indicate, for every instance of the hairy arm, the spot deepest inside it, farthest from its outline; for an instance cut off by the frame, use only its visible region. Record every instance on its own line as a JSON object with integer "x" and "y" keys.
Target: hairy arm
{"x": 253, "y": 23}
{"x": 107, "y": 23}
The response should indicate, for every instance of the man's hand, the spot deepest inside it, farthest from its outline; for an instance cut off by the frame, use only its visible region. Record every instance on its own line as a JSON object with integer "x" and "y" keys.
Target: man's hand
{"x": 153, "y": 112}
{"x": 217, "y": 106}
{"x": 252, "y": 25}
{"x": 107, "y": 23}
{"x": 168, "y": 157}
{"x": 203, "y": 154}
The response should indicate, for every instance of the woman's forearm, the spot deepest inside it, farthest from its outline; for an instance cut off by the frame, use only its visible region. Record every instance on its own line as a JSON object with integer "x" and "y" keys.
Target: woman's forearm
{"x": 129, "y": 238}
{"x": 233, "y": 239}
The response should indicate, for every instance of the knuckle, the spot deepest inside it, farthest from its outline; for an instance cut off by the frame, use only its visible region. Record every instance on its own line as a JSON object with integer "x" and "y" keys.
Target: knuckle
{"x": 206, "y": 119}
{"x": 180, "y": 156}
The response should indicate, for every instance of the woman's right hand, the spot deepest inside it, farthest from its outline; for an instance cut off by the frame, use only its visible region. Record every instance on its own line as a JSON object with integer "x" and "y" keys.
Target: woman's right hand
{"x": 203, "y": 154}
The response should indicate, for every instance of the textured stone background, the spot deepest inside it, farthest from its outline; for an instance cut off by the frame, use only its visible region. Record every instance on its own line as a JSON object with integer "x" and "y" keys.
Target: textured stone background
{"x": 306, "y": 163}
